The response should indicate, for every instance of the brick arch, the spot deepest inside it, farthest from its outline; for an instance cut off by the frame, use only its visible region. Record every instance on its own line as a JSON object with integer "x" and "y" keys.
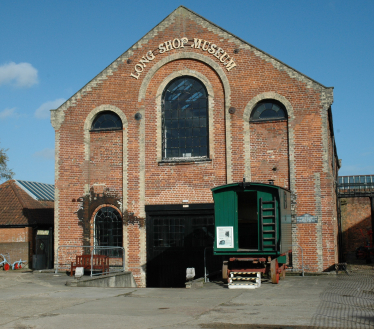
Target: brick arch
{"x": 141, "y": 98}
{"x": 291, "y": 134}
{"x": 87, "y": 126}
{"x": 226, "y": 87}
{"x": 92, "y": 222}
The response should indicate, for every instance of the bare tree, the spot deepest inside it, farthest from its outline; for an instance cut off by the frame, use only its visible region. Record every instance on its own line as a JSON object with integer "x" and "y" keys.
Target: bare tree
{"x": 5, "y": 172}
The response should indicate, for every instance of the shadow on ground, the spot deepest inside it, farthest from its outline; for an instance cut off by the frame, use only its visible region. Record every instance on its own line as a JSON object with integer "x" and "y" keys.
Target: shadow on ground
{"x": 349, "y": 300}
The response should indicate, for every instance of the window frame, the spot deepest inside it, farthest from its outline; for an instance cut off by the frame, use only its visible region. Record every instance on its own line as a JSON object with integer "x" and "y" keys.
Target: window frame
{"x": 101, "y": 114}
{"x": 274, "y": 102}
{"x": 195, "y": 158}
{"x": 114, "y": 225}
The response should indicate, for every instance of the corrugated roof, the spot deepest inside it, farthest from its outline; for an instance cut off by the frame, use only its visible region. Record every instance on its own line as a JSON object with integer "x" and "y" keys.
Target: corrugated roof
{"x": 39, "y": 191}
{"x": 18, "y": 207}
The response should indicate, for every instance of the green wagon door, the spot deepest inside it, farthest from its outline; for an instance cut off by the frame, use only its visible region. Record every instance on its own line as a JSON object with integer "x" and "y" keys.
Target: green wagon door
{"x": 226, "y": 220}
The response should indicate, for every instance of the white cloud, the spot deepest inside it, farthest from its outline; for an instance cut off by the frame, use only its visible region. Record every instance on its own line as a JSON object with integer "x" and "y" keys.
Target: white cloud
{"x": 20, "y": 75}
{"x": 8, "y": 113}
{"x": 43, "y": 111}
{"x": 46, "y": 154}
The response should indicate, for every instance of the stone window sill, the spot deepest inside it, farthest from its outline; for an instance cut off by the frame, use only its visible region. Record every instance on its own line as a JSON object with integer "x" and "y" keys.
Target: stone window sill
{"x": 182, "y": 161}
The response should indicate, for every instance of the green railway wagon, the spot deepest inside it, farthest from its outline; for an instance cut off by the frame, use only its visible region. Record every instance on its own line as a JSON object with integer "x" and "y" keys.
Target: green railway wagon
{"x": 253, "y": 229}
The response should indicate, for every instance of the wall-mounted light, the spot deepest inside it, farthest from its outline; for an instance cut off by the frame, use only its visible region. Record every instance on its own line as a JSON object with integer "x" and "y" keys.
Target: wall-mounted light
{"x": 236, "y": 51}
{"x": 129, "y": 61}
{"x": 232, "y": 110}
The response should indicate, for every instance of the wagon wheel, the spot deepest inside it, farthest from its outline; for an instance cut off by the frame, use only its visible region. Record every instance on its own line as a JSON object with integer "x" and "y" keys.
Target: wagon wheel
{"x": 224, "y": 271}
{"x": 274, "y": 274}
{"x": 6, "y": 267}
{"x": 16, "y": 266}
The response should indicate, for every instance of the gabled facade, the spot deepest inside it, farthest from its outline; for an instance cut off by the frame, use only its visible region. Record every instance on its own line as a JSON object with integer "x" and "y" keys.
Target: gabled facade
{"x": 187, "y": 108}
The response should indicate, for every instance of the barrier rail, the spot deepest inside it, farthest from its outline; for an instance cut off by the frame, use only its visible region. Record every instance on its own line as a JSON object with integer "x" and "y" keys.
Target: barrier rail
{"x": 302, "y": 258}
{"x": 356, "y": 189}
{"x": 116, "y": 257}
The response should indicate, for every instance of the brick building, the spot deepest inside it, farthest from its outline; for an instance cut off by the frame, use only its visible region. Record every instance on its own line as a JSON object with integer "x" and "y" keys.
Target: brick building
{"x": 26, "y": 221}
{"x": 187, "y": 108}
{"x": 356, "y": 195}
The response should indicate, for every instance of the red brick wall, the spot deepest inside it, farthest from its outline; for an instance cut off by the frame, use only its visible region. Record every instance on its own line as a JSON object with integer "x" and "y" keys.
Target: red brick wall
{"x": 106, "y": 160}
{"x": 18, "y": 243}
{"x": 355, "y": 217}
{"x": 23, "y": 234}
{"x": 269, "y": 152}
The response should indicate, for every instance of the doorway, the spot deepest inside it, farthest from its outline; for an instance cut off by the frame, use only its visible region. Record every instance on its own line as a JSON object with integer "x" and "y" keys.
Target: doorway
{"x": 176, "y": 240}
{"x": 247, "y": 221}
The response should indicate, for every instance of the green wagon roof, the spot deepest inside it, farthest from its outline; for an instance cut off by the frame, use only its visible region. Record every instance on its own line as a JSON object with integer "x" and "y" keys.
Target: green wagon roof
{"x": 247, "y": 185}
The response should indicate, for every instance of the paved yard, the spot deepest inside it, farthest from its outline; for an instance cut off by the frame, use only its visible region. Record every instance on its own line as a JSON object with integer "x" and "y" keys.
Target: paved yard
{"x": 41, "y": 300}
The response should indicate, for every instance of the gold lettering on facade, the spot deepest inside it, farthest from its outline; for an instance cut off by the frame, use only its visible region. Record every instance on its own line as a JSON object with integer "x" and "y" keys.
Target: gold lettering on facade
{"x": 177, "y": 43}
{"x": 168, "y": 45}
{"x": 196, "y": 43}
{"x": 212, "y": 48}
{"x": 203, "y": 47}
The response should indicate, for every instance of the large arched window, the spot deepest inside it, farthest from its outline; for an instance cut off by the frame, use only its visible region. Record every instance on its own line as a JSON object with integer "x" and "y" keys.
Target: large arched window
{"x": 268, "y": 110}
{"x": 185, "y": 119}
{"x": 108, "y": 229}
{"x": 106, "y": 121}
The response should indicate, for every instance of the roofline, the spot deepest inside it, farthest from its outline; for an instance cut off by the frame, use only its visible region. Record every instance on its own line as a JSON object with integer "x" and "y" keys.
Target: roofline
{"x": 355, "y": 176}
{"x": 27, "y": 191}
{"x": 248, "y": 184}
{"x": 35, "y": 197}
{"x": 250, "y": 45}
{"x": 247, "y": 43}
{"x": 17, "y": 225}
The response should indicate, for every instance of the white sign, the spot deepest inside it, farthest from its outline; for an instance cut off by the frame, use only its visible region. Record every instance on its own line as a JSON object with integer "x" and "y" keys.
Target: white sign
{"x": 225, "y": 237}
{"x": 42, "y": 232}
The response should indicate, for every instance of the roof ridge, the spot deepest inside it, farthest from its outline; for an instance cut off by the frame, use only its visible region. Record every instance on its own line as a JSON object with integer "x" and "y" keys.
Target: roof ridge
{"x": 57, "y": 115}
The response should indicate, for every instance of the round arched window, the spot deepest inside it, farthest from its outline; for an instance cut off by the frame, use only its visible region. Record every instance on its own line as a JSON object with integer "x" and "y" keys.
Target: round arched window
{"x": 107, "y": 121}
{"x": 268, "y": 110}
{"x": 108, "y": 228}
{"x": 185, "y": 119}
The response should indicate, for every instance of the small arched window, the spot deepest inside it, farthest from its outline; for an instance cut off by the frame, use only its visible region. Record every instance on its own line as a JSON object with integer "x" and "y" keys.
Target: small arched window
{"x": 107, "y": 121}
{"x": 268, "y": 110}
{"x": 108, "y": 229}
{"x": 185, "y": 119}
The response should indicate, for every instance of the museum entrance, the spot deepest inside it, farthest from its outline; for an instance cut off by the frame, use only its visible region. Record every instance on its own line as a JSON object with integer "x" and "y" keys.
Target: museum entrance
{"x": 176, "y": 239}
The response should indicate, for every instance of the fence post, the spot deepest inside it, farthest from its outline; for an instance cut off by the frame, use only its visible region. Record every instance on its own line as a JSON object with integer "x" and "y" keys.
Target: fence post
{"x": 56, "y": 267}
{"x": 92, "y": 251}
{"x": 123, "y": 258}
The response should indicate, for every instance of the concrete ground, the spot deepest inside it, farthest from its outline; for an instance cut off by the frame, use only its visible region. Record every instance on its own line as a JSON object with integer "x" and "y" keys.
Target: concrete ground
{"x": 42, "y": 300}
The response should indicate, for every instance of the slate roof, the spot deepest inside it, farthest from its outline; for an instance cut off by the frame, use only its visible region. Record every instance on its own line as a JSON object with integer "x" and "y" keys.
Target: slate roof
{"x": 18, "y": 208}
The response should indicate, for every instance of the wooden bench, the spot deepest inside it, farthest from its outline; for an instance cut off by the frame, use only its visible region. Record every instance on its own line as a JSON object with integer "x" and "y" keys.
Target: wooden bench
{"x": 99, "y": 262}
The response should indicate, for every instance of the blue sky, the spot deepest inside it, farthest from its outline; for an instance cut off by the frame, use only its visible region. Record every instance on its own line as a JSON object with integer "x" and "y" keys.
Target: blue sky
{"x": 51, "y": 49}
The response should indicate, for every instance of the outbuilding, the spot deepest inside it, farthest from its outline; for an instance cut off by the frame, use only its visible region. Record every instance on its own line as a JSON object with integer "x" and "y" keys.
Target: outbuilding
{"x": 26, "y": 223}
{"x": 188, "y": 108}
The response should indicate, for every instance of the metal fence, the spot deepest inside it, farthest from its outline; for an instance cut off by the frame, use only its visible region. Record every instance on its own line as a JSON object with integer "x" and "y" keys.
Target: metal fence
{"x": 66, "y": 255}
